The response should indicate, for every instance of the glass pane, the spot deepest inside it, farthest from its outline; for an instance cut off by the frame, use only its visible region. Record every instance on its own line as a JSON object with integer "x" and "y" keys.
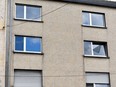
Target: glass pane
{"x": 98, "y": 49}
{"x": 33, "y": 44}
{"x": 33, "y": 13}
{"x": 89, "y": 85}
{"x": 101, "y": 85}
{"x": 19, "y": 43}
{"x": 97, "y": 19}
{"x": 86, "y": 18}
{"x": 19, "y": 11}
{"x": 87, "y": 48}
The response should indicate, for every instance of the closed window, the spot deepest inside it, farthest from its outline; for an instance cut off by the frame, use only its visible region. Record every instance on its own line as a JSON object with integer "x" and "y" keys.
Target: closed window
{"x": 95, "y": 49}
{"x": 93, "y": 19}
{"x": 97, "y": 80}
{"x": 28, "y": 44}
{"x": 28, "y": 12}
{"x": 27, "y": 78}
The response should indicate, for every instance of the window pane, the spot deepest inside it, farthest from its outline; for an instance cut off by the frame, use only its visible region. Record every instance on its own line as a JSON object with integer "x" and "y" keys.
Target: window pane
{"x": 86, "y": 18}
{"x": 101, "y": 85}
{"x": 33, "y": 44}
{"x": 87, "y": 48}
{"x": 89, "y": 85}
{"x": 98, "y": 49}
{"x": 33, "y": 13}
{"x": 97, "y": 19}
{"x": 19, "y": 43}
{"x": 19, "y": 11}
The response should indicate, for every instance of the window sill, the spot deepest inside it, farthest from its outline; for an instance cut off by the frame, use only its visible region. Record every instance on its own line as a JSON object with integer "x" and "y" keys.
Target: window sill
{"x": 94, "y": 26}
{"x": 101, "y": 57}
{"x": 28, "y": 20}
{"x": 41, "y": 53}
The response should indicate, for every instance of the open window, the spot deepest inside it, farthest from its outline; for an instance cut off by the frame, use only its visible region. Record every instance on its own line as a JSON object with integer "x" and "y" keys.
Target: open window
{"x": 95, "y": 49}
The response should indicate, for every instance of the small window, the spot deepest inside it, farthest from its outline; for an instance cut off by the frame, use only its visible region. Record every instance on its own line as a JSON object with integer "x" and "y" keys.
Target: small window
{"x": 97, "y": 80}
{"x": 28, "y": 12}
{"x": 27, "y": 78}
{"x": 28, "y": 44}
{"x": 95, "y": 49}
{"x": 93, "y": 19}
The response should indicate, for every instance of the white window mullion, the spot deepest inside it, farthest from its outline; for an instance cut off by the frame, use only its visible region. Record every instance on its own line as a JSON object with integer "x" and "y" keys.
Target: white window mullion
{"x": 24, "y": 44}
{"x": 94, "y": 85}
{"x": 92, "y": 48}
{"x": 90, "y": 16}
{"x": 24, "y": 12}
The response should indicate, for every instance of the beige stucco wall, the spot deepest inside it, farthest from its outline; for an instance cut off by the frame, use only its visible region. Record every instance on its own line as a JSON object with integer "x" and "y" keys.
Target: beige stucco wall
{"x": 2, "y": 58}
{"x": 62, "y": 35}
{"x": 2, "y": 43}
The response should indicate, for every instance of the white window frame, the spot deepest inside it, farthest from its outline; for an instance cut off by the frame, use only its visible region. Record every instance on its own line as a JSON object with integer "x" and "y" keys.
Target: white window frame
{"x": 92, "y": 54}
{"x": 25, "y": 8}
{"x": 90, "y": 19}
{"x": 25, "y": 45}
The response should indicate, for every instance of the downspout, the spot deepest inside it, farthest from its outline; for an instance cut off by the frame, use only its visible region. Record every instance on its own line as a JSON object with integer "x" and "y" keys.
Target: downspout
{"x": 8, "y": 42}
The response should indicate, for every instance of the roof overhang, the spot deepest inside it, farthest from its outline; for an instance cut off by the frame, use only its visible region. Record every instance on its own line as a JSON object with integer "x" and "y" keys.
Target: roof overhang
{"x": 102, "y": 3}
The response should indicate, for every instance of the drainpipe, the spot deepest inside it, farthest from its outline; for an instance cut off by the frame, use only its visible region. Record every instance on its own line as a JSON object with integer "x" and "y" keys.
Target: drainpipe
{"x": 8, "y": 42}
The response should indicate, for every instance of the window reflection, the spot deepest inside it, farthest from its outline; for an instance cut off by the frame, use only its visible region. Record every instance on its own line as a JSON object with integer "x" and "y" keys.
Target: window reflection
{"x": 97, "y": 19}
{"x": 86, "y": 19}
{"x": 95, "y": 48}
{"x": 93, "y": 19}
{"x": 19, "y": 11}
{"x": 33, "y": 44}
{"x": 19, "y": 43}
{"x": 87, "y": 48}
{"x": 98, "y": 49}
{"x": 28, "y": 12}
{"x": 28, "y": 44}
{"x": 32, "y": 12}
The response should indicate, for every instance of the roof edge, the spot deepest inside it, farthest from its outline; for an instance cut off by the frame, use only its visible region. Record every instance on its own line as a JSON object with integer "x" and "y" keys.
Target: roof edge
{"x": 101, "y": 3}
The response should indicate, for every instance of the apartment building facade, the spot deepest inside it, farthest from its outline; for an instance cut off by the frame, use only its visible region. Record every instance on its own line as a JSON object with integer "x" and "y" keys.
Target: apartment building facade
{"x": 54, "y": 43}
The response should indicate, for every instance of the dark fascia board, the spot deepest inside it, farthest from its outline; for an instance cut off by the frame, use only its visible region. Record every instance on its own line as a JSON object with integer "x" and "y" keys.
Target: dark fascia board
{"x": 102, "y": 3}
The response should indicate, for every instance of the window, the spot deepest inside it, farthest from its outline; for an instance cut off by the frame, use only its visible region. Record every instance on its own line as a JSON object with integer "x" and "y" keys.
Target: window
{"x": 28, "y": 12}
{"x": 97, "y": 80}
{"x": 27, "y": 78}
{"x": 95, "y": 49}
{"x": 28, "y": 44}
{"x": 93, "y": 19}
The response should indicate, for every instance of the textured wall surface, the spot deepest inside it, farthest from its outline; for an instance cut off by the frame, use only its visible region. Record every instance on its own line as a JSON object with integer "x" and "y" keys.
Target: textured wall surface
{"x": 2, "y": 43}
{"x": 62, "y": 35}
